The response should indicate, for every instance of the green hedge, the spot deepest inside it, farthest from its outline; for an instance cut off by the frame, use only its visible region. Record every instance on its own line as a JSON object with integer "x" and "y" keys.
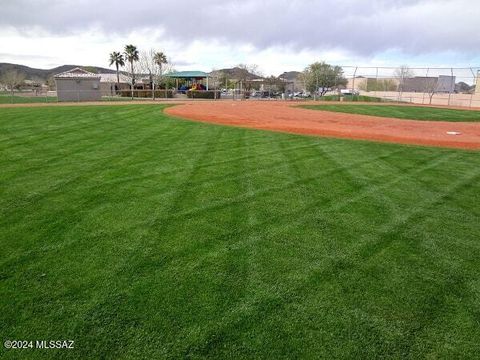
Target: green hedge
{"x": 145, "y": 93}
{"x": 195, "y": 94}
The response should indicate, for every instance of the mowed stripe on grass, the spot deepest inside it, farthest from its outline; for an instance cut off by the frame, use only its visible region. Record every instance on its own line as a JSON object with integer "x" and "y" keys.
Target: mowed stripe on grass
{"x": 139, "y": 235}
{"x": 6, "y": 98}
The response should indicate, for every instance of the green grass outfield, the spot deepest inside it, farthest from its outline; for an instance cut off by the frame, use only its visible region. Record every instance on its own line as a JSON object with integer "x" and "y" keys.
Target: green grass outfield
{"x": 142, "y": 236}
{"x": 6, "y": 98}
{"x": 16, "y": 99}
{"x": 353, "y": 98}
{"x": 402, "y": 112}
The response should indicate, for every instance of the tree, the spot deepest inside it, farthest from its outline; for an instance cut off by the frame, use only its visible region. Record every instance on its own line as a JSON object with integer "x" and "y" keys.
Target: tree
{"x": 223, "y": 79}
{"x": 160, "y": 59}
{"x": 431, "y": 87}
{"x": 401, "y": 74}
{"x": 154, "y": 64}
{"x": 215, "y": 78}
{"x": 320, "y": 77}
{"x": 12, "y": 79}
{"x": 245, "y": 74}
{"x": 50, "y": 82}
{"x": 131, "y": 55}
{"x": 303, "y": 78}
{"x": 378, "y": 85}
{"x": 117, "y": 59}
{"x": 387, "y": 85}
{"x": 275, "y": 84}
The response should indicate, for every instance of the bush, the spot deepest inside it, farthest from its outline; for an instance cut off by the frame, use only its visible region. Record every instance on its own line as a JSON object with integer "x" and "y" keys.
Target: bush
{"x": 145, "y": 93}
{"x": 195, "y": 94}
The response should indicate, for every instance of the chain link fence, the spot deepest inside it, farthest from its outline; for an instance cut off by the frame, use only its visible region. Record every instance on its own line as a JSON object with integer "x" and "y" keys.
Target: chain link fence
{"x": 426, "y": 86}
{"x": 459, "y": 87}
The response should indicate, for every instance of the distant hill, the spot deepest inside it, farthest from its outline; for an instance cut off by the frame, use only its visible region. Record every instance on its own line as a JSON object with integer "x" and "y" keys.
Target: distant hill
{"x": 462, "y": 87}
{"x": 237, "y": 73}
{"x": 290, "y": 75}
{"x": 44, "y": 74}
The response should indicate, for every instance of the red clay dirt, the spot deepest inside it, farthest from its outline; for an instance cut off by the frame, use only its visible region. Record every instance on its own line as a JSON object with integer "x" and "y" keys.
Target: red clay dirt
{"x": 284, "y": 117}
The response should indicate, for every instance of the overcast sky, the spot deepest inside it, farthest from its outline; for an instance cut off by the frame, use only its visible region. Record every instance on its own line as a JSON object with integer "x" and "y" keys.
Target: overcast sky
{"x": 278, "y": 35}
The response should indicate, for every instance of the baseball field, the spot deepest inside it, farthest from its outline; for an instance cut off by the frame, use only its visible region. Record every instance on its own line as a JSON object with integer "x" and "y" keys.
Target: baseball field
{"x": 240, "y": 230}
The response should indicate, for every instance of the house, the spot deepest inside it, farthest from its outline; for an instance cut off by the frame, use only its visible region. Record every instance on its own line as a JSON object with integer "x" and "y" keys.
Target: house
{"x": 293, "y": 81}
{"x": 109, "y": 85}
{"x": 78, "y": 85}
{"x": 477, "y": 87}
{"x": 445, "y": 84}
{"x": 442, "y": 84}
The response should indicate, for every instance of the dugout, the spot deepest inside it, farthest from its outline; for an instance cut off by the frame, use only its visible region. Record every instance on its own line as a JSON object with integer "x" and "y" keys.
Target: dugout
{"x": 78, "y": 85}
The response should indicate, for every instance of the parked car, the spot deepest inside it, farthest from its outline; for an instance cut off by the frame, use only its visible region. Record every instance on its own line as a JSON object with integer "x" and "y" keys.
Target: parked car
{"x": 349, "y": 92}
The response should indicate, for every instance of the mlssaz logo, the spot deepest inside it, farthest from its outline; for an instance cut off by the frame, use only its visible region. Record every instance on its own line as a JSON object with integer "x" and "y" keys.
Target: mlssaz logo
{"x": 55, "y": 344}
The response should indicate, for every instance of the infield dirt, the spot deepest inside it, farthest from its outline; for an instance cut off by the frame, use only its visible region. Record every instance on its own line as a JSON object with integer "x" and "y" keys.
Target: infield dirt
{"x": 282, "y": 116}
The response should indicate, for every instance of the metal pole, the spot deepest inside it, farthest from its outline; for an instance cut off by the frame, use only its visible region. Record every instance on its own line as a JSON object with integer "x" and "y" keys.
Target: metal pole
{"x": 426, "y": 75}
{"x": 335, "y": 86}
{"x": 474, "y": 83}
{"x": 353, "y": 82}
{"x": 450, "y": 90}
{"x": 385, "y": 96}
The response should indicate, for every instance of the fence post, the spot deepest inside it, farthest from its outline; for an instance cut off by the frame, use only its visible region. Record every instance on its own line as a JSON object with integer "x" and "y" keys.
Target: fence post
{"x": 424, "y": 88}
{"x": 450, "y": 90}
{"x": 385, "y": 96}
{"x": 353, "y": 82}
{"x": 474, "y": 83}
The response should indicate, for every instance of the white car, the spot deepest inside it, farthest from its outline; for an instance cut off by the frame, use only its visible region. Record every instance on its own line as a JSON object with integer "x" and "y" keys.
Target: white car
{"x": 349, "y": 92}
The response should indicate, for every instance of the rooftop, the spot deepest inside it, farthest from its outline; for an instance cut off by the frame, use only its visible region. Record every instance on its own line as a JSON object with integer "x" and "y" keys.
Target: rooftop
{"x": 112, "y": 78}
{"x": 187, "y": 74}
{"x": 77, "y": 73}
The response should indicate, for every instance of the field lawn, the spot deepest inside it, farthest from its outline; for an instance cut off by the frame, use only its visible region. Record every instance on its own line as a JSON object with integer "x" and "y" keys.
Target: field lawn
{"x": 352, "y": 98}
{"x": 8, "y": 99}
{"x": 142, "y": 236}
{"x": 402, "y": 112}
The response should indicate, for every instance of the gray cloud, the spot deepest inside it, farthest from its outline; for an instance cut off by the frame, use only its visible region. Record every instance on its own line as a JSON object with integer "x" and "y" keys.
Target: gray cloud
{"x": 362, "y": 27}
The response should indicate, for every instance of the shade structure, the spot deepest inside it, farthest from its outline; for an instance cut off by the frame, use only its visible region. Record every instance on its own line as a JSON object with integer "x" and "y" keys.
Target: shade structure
{"x": 196, "y": 75}
{"x": 188, "y": 75}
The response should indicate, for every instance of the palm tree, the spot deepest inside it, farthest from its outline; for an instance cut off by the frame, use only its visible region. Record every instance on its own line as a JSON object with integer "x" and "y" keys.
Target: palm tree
{"x": 117, "y": 59}
{"x": 131, "y": 55}
{"x": 160, "y": 58}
